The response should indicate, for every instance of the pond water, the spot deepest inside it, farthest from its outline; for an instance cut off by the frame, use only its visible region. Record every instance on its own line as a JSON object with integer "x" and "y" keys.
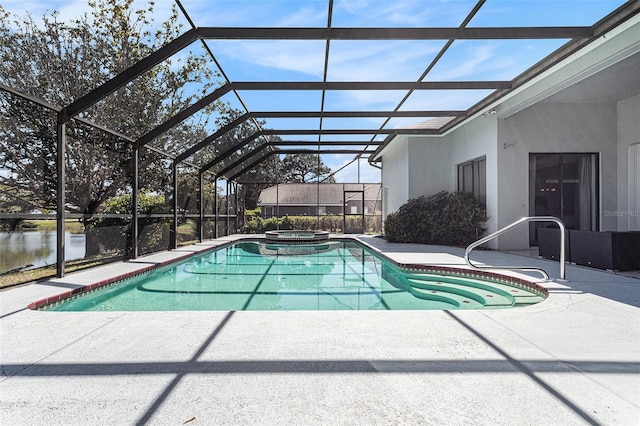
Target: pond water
{"x": 38, "y": 248}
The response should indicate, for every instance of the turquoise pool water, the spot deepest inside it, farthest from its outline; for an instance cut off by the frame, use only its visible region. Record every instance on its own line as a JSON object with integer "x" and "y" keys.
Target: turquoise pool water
{"x": 336, "y": 275}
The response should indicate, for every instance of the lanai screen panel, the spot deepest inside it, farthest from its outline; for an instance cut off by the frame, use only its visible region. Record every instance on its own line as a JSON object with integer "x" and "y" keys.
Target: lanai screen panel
{"x": 290, "y": 51}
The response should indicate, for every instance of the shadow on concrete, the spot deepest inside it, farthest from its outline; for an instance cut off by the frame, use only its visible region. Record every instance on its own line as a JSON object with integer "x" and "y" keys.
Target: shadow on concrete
{"x": 526, "y": 368}
{"x": 508, "y": 365}
{"x": 320, "y": 367}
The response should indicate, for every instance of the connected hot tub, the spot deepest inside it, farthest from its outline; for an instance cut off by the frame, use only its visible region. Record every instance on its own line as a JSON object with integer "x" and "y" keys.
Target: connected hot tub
{"x": 293, "y": 236}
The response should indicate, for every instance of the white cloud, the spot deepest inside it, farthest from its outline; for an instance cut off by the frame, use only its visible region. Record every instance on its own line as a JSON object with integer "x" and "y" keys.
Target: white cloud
{"x": 368, "y": 173}
{"x": 307, "y": 15}
{"x": 380, "y": 60}
{"x": 405, "y": 13}
{"x": 473, "y": 59}
{"x": 306, "y": 57}
{"x": 69, "y": 10}
{"x": 363, "y": 99}
{"x": 257, "y": 13}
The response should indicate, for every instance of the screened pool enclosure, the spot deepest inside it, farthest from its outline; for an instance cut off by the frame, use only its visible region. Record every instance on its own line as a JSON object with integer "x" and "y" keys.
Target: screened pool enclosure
{"x": 143, "y": 171}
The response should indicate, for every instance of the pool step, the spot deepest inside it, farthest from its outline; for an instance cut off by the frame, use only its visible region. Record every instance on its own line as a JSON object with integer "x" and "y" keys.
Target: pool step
{"x": 464, "y": 295}
{"x": 521, "y": 296}
{"x": 445, "y": 295}
{"x": 489, "y": 294}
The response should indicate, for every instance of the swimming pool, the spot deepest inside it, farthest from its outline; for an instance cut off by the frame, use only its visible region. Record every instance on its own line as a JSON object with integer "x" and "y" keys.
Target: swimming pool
{"x": 336, "y": 275}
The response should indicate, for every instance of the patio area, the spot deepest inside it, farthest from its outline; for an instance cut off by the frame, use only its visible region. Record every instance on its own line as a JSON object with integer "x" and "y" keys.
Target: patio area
{"x": 572, "y": 359}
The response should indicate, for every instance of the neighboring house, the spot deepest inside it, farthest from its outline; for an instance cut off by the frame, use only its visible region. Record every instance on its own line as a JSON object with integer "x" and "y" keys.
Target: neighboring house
{"x": 299, "y": 199}
{"x": 565, "y": 143}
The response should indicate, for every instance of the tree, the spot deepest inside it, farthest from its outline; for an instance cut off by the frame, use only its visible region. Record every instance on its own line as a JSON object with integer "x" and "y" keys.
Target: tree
{"x": 258, "y": 178}
{"x": 303, "y": 168}
{"x": 293, "y": 168}
{"x": 115, "y": 233}
{"x": 60, "y": 62}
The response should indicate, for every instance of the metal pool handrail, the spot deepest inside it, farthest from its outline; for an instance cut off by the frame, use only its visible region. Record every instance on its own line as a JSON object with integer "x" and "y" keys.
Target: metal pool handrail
{"x": 513, "y": 225}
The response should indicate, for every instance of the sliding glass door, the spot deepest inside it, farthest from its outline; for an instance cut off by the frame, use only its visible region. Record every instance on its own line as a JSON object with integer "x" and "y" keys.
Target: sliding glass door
{"x": 564, "y": 186}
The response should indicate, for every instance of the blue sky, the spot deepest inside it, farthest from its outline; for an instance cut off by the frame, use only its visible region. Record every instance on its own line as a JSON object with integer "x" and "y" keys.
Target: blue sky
{"x": 364, "y": 60}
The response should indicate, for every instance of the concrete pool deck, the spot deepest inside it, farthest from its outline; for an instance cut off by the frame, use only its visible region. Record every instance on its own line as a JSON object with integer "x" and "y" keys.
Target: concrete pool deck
{"x": 572, "y": 359}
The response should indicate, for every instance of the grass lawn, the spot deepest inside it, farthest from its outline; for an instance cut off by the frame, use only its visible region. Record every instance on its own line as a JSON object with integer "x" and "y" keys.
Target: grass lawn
{"x": 36, "y": 274}
{"x": 71, "y": 225}
{"x": 186, "y": 235}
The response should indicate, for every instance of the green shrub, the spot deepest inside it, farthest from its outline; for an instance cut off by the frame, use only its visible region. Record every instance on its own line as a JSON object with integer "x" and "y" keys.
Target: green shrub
{"x": 254, "y": 224}
{"x": 395, "y": 229}
{"x": 307, "y": 223}
{"x": 444, "y": 218}
{"x": 286, "y": 223}
{"x": 115, "y": 233}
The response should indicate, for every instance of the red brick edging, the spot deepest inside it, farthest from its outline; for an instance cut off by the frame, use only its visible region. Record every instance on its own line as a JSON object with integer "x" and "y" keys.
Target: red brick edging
{"x": 89, "y": 287}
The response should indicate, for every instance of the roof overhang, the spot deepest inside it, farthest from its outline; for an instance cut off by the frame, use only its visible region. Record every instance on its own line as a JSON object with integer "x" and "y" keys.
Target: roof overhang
{"x": 615, "y": 40}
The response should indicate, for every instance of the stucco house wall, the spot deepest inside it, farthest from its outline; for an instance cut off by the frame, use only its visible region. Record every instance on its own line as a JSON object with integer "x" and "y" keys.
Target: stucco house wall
{"x": 395, "y": 176}
{"x": 552, "y": 128}
{"x": 627, "y": 213}
{"x": 474, "y": 140}
{"x": 428, "y": 165}
{"x": 548, "y": 114}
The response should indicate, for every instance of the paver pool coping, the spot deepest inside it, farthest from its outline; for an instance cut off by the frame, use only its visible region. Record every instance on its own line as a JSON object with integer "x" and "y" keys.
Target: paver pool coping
{"x": 407, "y": 267}
{"x": 111, "y": 280}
